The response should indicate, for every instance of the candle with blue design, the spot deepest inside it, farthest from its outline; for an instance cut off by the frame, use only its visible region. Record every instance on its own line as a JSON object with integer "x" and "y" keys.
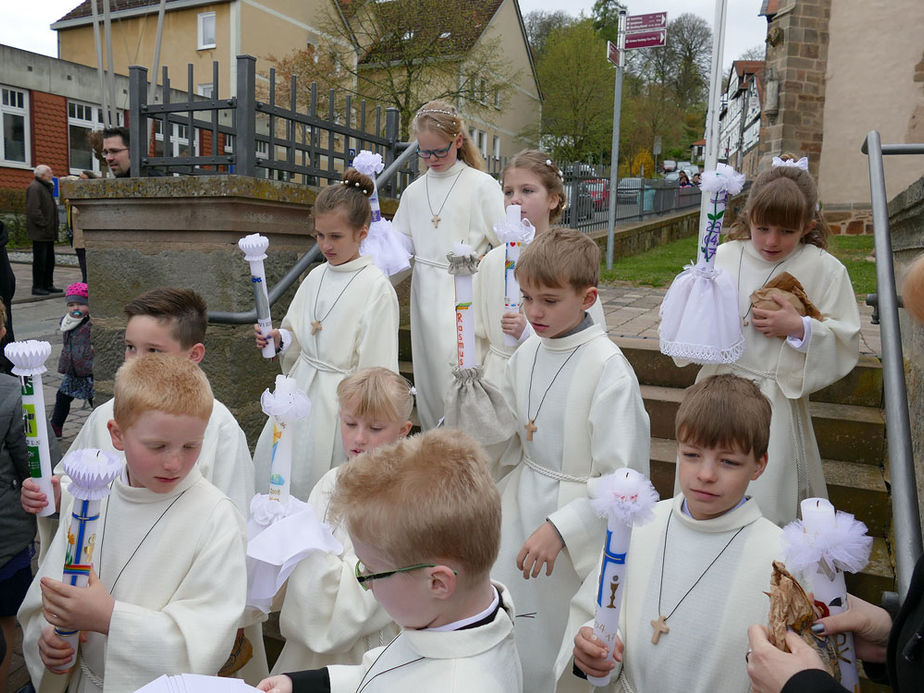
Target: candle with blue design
{"x": 254, "y": 247}
{"x": 286, "y": 404}
{"x": 515, "y": 233}
{"x": 624, "y": 498}
{"x": 91, "y": 472}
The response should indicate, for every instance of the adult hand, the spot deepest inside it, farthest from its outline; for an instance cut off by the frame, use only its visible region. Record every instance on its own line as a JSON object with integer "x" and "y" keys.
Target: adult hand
{"x": 263, "y": 340}
{"x": 869, "y": 624}
{"x": 33, "y": 500}
{"x": 785, "y": 322}
{"x": 769, "y": 668}
{"x": 77, "y": 608}
{"x": 591, "y": 655}
{"x": 542, "y": 547}
{"x": 513, "y": 324}
{"x": 276, "y": 684}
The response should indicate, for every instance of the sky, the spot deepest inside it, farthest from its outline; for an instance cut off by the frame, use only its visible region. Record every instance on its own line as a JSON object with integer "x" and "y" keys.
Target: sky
{"x": 26, "y": 26}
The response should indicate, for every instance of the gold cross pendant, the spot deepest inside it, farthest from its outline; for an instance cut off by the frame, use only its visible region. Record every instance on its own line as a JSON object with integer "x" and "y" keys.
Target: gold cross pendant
{"x": 530, "y": 429}
{"x": 660, "y": 626}
{"x": 436, "y": 220}
{"x": 315, "y": 327}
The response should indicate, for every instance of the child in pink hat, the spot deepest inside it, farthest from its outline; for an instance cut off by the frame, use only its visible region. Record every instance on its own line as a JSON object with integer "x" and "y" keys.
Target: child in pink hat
{"x": 76, "y": 361}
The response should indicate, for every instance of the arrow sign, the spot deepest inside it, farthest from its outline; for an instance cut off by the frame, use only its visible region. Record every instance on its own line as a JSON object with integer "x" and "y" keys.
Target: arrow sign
{"x": 612, "y": 53}
{"x": 646, "y": 22}
{"x": 646, "y": 39}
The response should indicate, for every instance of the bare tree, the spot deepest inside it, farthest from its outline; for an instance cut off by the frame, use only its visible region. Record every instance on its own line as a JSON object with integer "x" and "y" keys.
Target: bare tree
{"x": 540, "y": 24}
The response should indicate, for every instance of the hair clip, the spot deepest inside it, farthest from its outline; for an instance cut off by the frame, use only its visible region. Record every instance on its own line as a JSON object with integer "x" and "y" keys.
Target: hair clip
{"x": 801, "y": 163}
{"x": 425, "y": 111}
{"x": 412, "y": 391}
{"x": 548, "y": 162}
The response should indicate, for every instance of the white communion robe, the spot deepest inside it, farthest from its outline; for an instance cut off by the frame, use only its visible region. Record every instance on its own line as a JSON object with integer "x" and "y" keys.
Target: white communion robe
{"x": 482, "y": 659}
{"x": 788, "y": 376}
{"x": 490, "y": 291}
{"x": 704, "y": 650}
{"x": 326, "y": 616}
{"x": 359, "y": 329}
{"x": 473, "y": 204}
{"x": 591, "y": 423}
{"x": 174, "y": 562}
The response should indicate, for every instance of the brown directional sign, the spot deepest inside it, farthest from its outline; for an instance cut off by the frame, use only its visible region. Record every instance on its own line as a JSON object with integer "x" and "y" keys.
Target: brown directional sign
{"x": 646, "y": 22}
{"x": 612, "y": 53}
{"x": 646, "y": 39}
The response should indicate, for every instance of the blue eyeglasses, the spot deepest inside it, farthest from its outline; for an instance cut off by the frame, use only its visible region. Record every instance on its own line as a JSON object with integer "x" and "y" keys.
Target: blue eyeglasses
{"x": 438, "y": 153}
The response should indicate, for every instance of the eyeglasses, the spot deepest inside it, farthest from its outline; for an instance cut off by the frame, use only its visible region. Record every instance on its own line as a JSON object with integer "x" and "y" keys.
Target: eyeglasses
{"x": 438, "y": 153}
{"x": 363, "y": 579}
{"x": 107, "y": 152}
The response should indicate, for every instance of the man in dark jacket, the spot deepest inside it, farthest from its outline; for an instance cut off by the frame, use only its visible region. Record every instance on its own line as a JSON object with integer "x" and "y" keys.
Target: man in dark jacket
{"x": 42, "y": 229}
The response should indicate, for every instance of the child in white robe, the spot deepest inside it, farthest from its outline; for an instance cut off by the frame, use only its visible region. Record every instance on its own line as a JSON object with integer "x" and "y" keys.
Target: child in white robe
{"x": 580, "y": 415}
{"x": 530, "y": 179}
{"x": 169, "y": 583}
{"x": 327, "y": 617}
{"x": 455, "y": 200}
{"x": 344, "y": 316}
{"x": 789, "y": 355}
{"x": 424, "y": 519}
{"x": 697, "y": 573}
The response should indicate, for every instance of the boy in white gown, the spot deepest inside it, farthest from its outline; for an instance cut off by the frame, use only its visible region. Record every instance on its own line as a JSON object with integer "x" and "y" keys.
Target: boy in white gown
{"x": 424, "y": 517}
{"x": 171, "y": 580}
{"x": 581, "y": 415}
{"x": 697, "y": 573}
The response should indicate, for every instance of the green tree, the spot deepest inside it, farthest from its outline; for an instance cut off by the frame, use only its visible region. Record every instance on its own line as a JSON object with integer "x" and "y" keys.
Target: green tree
{"x": 605, "y": 14}
{"x": 540, "y": 24}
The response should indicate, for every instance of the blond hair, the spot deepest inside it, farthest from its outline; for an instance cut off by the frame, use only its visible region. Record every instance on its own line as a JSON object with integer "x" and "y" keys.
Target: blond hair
{"x": 442, "y": 118}
{"x": 725, "y": 411}
{"x": 560, "y": 257}
{"x": 169, "y": 383}
{"x": 377, "y": 394}
{"x": 539, "y": 164}
{"x": 425, "y": 498}
{"x": 785, "y": 196}
{"x": 350, "y": 196}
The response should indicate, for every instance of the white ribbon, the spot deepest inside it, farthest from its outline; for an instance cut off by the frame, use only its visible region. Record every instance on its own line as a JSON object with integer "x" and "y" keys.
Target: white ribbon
{"x": 801, "y": 163}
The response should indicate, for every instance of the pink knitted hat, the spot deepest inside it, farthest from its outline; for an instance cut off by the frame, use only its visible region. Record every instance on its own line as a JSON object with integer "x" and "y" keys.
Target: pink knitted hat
{"x": 77, "y": 293}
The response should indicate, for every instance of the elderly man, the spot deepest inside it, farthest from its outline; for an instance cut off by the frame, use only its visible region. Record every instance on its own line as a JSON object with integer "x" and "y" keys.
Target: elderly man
{"x": 42, "y": 229}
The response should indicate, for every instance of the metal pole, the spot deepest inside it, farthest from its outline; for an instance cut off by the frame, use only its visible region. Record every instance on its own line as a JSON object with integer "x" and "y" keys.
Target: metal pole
{"x": 137, "y": 146}
{"x": 103, "y": 93}
{"x": 614, "y": 149}
{"x": 906, "y": 528}
{"x": 245, "y": 122}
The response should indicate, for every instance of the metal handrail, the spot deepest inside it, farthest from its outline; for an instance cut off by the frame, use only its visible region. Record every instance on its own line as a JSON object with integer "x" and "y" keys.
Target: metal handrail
{"x": 905, "y": 514}
{"x": 243, "y": 318}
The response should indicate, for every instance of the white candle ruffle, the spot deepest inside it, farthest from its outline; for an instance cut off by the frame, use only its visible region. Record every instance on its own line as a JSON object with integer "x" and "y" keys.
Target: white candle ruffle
{"x": 515, "y": 233}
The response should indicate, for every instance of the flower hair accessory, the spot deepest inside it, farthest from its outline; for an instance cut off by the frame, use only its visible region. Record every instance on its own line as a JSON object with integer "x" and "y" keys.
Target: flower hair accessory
{"x": 368, "y": 163}
{"x": 801, "y": 163}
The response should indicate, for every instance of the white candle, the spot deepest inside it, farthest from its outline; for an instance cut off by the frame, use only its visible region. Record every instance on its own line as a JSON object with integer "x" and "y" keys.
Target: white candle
{"x": 286, "y": 404}
{"x": 462, "y": 265}
{"x": 254, "y": 247}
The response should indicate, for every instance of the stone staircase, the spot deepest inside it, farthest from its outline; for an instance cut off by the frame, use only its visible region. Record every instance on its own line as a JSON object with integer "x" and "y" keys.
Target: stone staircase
{"x": 850, "y": 428}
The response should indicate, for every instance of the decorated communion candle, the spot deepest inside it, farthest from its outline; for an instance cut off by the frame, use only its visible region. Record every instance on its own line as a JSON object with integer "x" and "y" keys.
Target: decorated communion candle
{"x": 254, "y": 247}
{"x": 511, "y": 285}
{"x": 91, "y": 471}
{"x": 286, "y": 404}
{"x": 28, "y": 359}
{"x": 462, "y": 265}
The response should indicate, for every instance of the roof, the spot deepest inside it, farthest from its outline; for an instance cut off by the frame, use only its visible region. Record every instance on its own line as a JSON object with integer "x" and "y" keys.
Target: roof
{"x": 768, "y": 8}
{"x": 83, "y": 11}
{"x": 743, "y": 68}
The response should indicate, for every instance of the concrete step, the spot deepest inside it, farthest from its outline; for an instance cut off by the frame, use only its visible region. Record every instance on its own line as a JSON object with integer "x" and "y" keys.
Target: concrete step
{"x": 844, "y": 431}
{"x": 861, "y": 387}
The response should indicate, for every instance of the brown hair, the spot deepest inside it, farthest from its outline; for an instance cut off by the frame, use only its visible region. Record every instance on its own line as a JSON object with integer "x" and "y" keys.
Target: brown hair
{"x": 168, "y": 383}
{"x": 783, "y": 196}
{"x": 539, "y": 164}
{"x": 184, "y": 309}
{"x": 725, "y": 410}
{"x": 443, "y": 119}
{"x": 913, "y": 290}
{"x": 425, "y": 498}
{"x": 558, "y": 258}
{"x": 376, "y": 393}
{"x": 350, "y": 196}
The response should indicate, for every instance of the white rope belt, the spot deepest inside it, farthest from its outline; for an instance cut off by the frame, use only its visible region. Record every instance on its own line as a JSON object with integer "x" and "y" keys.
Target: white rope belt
{"x": 321, "y": 365}
{"x": 95, "y": 678}
{"x": 750, "y": 371}
{"x": 431, "y": 263}
{"x": 553, "y": 473}
{"x": 500, "y": 352}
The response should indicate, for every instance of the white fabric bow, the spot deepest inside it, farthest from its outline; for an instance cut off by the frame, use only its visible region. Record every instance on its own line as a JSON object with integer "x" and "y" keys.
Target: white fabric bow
{"x": 801, "y": 163}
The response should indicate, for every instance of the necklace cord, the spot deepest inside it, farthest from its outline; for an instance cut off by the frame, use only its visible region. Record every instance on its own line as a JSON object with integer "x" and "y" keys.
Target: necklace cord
{"x": 529, "y": 395}
{"x": 336, "y": 300}
{"x": 446, "y": 199}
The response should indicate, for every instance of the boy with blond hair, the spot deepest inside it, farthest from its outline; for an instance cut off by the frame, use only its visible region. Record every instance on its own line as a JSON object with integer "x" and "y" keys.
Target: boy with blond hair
{"x": 424, "y": 519}
{"x": 170, "y": 583}
{"x": 581, "y": 415}
{"x": 698, "y": 572}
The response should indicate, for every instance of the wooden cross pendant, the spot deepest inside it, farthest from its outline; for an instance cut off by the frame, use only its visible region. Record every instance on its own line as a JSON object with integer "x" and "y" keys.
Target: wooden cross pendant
{"x": 315, "y": 327}
{"x": 530, "y": 429}
{"x": 436, "y": 220}
{"x": 660, "y": 626}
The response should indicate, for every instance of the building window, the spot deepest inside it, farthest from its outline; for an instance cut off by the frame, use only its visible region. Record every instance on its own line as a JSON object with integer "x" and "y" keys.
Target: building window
{"x": 497, "y": 147}
{"x": 13, "y": 113}
{"x": 82, "y": 119}
{"x": 206, "y": 90}
{"x": 179, "y": 140}
{"x": 206, "y": 30}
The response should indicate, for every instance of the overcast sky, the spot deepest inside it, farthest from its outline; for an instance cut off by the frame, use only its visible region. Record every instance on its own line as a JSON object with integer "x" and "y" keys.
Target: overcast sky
{"x": 25, "y": 25}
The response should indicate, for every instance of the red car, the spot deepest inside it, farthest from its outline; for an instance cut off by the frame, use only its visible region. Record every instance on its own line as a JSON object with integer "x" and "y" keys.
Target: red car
{"x": 599, "y": 193}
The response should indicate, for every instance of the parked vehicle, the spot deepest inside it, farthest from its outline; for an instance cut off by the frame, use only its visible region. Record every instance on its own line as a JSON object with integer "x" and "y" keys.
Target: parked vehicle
{"x": 628, "y": 189}
{"x": 599, "y": 193}
{"x": 584, "y": 205}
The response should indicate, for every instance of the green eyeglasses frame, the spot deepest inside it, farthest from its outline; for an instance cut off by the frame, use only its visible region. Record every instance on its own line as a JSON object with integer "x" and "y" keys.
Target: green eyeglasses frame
{"x": 438, "y": 153}
{"x": 364, "y": 579}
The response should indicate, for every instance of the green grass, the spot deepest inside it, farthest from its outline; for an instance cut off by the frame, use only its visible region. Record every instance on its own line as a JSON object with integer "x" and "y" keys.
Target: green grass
{"x": 658, "y": 266}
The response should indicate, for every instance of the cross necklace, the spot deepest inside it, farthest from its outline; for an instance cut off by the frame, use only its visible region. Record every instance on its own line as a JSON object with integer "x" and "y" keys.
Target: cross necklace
{"x": 316, "y": 324}
{"x": 531, "y": 423}
{"x": 660, "y": 623}
{"x": 436, "y": 215}
{"x": 744, "y": 318}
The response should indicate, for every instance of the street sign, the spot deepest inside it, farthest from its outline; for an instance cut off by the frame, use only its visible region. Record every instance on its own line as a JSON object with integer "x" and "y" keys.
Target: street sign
{"x": 612, "y": 53}
{"x": 646, "y": 39}
{"x": 646, "y": 22}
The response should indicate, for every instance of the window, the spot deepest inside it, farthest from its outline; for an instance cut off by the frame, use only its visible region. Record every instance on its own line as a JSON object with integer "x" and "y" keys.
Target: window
{"x": 82, "y": 119}
{"x": 206, "y": 30}
{"x": 206, "y": 90}
{"x": 13, "y": 113}
{"x": 179, "y": 140}
{"x": 497, "y": 147}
